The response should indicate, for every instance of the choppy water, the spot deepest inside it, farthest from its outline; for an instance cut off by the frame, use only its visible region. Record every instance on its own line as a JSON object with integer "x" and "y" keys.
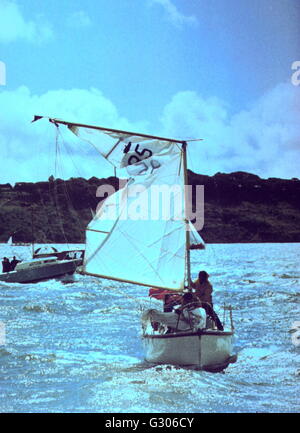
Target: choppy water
{"x": 77, "y": 348}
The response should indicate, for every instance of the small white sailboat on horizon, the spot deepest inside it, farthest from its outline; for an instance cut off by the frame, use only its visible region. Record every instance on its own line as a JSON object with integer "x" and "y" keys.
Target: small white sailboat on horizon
{"x": 10, "y": 243}
{"x": 136, "y": 238}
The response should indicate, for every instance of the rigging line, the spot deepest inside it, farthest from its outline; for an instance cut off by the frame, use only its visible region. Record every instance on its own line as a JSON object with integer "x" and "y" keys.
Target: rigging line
{"x": 71, "y": 206}
{"x": 69, "y": 153}
{"x": 95, "y": 147}
{"x": 50, "y": 167}
{"x": 56, "y": 149}
{"x": 211, "y": 246}
{"x": 41, "y": 198}
{"x": 190, "y": 159}
{"x": 74, "y": 213}
{"x": 60, "y": 169}
{"x": 221, "y": 215}
{"x": 192, "y": 169}
{"x": 50, "y": 195}
{"x": 57, "y": 161}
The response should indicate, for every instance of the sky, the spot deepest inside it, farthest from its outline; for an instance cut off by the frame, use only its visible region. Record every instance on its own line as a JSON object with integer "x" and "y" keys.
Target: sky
{"x": 221, "y": 70}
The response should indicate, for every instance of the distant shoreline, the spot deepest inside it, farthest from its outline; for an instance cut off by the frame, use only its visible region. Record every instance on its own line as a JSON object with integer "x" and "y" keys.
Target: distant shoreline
{"x": 206, "y": 243}
{"x": 239, "y": 207}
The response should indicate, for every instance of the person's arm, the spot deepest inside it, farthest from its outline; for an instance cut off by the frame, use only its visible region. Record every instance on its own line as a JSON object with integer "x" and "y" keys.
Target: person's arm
{"x": 209, "y": 289}
{"x": 193, "y": 284}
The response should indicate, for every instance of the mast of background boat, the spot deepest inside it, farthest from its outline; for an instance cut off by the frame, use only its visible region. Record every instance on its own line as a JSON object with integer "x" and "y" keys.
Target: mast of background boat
{"x": 187, "y": 230}
{"x": 32, "y": 234}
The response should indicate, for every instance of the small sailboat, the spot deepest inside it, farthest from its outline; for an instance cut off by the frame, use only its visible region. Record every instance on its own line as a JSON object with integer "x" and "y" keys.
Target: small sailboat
{"x": 142, "y": 234}
{"x": 35, "y": 270}
{"x": 46, "y": 263}
{"x": 16, "y": 244}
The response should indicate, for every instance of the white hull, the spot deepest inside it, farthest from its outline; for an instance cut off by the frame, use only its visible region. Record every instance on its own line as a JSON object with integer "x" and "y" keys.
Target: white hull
{"x": 206, "y": 350}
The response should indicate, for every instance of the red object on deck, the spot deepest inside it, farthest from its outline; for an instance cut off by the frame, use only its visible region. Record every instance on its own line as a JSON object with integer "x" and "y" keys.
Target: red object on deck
{"x": 161, "y": 293}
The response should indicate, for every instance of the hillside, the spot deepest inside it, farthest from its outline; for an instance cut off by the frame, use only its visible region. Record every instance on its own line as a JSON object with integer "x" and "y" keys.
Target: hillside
{"x": 239, "y": 207}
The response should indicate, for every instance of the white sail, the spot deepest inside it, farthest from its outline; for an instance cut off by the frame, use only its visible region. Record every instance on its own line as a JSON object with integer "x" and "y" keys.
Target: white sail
{"x": 111, "y": 145}
{"x": 138, "y": 235}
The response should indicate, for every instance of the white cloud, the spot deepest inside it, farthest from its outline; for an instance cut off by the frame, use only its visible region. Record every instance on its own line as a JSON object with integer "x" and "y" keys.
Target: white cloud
{"x": 173, "y": 14}
{"x": 14, "y": 26}
{"x": 79, "y": 19}
{"x": 28, "y": 149}
{"x": 264, "y": 139}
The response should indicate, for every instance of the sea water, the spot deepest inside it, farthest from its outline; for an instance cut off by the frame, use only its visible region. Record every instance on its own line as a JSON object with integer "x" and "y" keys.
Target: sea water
{"x": 77, "y": 347}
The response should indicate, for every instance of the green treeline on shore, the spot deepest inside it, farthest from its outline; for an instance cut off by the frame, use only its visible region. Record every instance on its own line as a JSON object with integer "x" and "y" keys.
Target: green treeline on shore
{"x": 238, "y": 207}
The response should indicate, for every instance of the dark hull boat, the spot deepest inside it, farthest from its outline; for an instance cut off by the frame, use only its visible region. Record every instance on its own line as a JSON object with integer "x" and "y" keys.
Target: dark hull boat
{"x": 37, "y": 270}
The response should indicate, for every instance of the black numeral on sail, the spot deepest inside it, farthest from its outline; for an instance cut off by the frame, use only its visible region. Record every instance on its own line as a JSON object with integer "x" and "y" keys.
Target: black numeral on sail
{"x": 142, "y": 154}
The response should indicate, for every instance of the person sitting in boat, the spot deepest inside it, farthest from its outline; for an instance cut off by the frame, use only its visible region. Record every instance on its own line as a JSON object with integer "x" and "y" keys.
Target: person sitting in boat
{"x": 185, "y": 317}
{"x": 14, "y": 263}
{"x": 203, "y": 292}
{"x": 189, "y": 311}
{"x": 170, "y": 301}
{"x": 5, "y": 265}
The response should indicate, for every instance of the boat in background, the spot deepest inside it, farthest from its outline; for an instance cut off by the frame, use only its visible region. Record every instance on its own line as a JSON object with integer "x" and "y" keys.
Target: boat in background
{"x": 35, "y": 270}
{"x": 17, "y": 244}
{"x": 50, "y": 251}
{"x": 47, "y": 263}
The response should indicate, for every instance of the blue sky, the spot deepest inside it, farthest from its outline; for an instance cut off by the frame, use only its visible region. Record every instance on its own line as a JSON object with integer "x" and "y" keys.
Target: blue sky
{"x": 215, "y": 69}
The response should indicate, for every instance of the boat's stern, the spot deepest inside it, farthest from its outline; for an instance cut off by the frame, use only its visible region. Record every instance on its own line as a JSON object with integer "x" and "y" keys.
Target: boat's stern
{"x": 207, "y": 349}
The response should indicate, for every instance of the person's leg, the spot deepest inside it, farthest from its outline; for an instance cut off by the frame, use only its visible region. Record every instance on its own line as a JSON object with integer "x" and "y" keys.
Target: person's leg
{"x": 210, "y": 312}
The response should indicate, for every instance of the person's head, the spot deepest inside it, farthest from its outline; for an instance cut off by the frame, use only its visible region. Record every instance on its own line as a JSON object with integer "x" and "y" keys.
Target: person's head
{"x": 14, "y": 257}
{"x": 203, "y": 276}
{"x": 187, "y": 298}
